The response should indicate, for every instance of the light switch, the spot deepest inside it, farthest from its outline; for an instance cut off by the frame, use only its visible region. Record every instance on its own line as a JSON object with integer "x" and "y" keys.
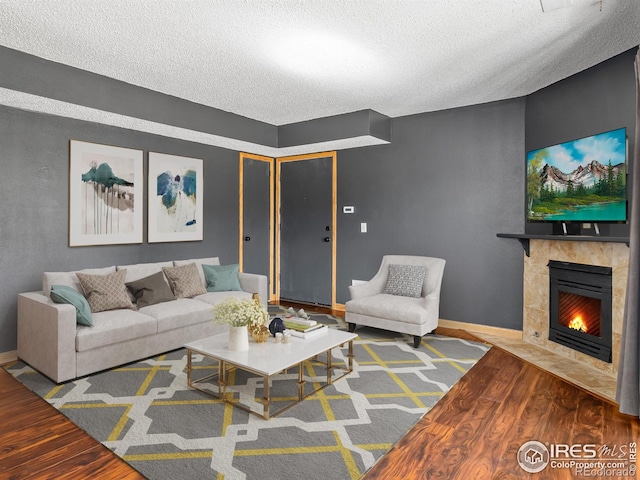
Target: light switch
{"x": 348, "y": 209}
{"x": 363, "y": 228}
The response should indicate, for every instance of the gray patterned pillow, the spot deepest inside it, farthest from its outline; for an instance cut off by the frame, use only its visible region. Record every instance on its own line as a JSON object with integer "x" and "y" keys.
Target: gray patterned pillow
{"x": 185, "y": 280}
{"x": 405, "y": 280}
{"x": 105, "y": 292}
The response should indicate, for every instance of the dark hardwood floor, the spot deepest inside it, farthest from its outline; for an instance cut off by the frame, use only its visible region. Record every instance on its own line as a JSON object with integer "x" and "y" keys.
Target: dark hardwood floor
{"x": 474, "y": 432}
{"x": 38, "y": 442}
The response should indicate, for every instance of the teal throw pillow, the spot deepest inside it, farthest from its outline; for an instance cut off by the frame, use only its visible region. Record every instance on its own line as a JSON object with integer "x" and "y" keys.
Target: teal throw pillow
{"x": 221, "y": 278}
{"x": 64, "y": 294}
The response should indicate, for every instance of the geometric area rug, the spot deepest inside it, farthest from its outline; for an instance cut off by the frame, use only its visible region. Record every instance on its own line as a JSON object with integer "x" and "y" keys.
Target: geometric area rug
{"x": 146, "y": 413}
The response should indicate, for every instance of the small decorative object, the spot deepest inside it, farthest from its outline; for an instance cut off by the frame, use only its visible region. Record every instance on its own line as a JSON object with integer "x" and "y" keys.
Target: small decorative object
{"x": 299, "y": 314}
{"x": 279, "y": 337}
{"x": 258, "y": 329}
{"x": 286, "y": 336}
{"x": 240, "y": 315}
{"x": 260, "y": 333}
{"x": 276, "y": 326}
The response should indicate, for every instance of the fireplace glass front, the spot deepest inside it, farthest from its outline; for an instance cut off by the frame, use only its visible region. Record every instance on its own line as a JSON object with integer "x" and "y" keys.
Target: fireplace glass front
{"x": 580, "y": 313}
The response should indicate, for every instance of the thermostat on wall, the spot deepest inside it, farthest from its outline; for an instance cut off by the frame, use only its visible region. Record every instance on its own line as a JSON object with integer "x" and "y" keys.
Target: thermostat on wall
{"x": 349, "y": 209}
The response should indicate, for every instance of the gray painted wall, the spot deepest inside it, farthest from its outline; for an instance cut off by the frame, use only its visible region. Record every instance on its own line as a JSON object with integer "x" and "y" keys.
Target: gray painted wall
{"x": 34, "y": 154}
{"x": 599, "y": 99}
{"x": 444, "y": 187}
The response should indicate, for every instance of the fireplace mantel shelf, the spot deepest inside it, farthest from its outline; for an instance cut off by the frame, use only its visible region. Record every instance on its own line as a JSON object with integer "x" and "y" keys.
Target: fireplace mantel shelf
{"x": 525, "y": 237}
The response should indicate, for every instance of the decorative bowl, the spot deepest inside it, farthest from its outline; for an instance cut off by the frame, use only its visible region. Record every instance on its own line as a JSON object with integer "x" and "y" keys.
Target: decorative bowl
{"x": 260, "y": 334}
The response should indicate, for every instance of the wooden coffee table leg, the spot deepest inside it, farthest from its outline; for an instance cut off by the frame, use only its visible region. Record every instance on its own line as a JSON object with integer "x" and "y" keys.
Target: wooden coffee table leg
{"x": 329, "y": 367}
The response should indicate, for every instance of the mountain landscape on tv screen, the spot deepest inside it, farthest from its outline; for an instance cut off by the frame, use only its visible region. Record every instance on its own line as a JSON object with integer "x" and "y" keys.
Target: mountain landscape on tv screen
{"x": 582, "y": 180}
{"x": 553, "y": 179}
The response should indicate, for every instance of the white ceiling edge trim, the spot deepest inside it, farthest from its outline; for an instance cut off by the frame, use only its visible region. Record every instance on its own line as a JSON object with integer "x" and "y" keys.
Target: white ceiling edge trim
{"x": 39, "y": 104}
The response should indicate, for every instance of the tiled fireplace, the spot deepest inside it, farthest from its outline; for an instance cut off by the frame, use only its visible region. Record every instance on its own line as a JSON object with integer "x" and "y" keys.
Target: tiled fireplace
{"x": 537, "y": 293}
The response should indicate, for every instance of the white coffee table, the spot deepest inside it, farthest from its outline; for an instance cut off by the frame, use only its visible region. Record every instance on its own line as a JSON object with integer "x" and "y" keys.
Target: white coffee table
{"x": 267, "y": 360}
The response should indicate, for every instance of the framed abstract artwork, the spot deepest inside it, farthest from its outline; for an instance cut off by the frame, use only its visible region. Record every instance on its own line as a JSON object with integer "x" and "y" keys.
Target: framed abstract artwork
{"x": 105, "y": 194}
{"x": 175, "y": 198}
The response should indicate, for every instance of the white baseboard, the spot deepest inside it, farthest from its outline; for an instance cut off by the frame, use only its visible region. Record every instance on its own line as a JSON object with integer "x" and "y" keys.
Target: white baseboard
{"x": 474, "y": 327}
{"x": 6, "y": 357}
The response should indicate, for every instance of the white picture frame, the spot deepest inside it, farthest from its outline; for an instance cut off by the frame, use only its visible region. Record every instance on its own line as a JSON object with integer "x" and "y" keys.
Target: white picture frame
{"x": 175, "y": 198}
{"x": 105, "y": 194}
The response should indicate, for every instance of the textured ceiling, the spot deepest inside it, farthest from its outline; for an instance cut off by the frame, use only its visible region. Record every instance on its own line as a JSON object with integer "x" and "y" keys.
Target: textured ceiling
{"x": 284, "y": 61}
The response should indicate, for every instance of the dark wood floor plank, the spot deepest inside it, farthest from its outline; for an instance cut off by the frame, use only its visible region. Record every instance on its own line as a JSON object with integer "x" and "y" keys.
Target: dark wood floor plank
{"x": 509, "y": 420}
{"x": 470, "y": 434}
{"x": 564, "y": 410}
{"x": 93, "y": 463}
{"x": 618, "y": 426}
{"x": 50, "y": 446}
{"x": 38, "y": 411}
{"x": 487, "y": 443}
{"x": 452, "y": 408}
{"x": 505, "y": 378}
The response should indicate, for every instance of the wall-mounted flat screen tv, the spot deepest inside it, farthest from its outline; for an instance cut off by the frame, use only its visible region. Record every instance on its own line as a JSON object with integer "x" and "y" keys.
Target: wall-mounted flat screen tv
{"x": 584, "y": 180}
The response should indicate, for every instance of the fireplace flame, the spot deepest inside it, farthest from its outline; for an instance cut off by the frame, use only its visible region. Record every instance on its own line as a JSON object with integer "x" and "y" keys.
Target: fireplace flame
{"x": 578, "y": 324}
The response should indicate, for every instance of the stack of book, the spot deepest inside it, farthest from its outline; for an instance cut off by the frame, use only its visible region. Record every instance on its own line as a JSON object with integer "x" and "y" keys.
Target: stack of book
{"x": 303, "y": 328}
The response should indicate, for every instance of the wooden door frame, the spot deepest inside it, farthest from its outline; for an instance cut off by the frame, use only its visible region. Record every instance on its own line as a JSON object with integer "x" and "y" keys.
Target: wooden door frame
{"x": 270, "y": 161}
{"x": 334, "y": 215}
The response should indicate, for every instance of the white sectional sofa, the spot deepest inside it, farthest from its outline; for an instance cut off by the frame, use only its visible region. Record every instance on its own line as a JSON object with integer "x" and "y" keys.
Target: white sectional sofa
{"x": 51, "y": 340}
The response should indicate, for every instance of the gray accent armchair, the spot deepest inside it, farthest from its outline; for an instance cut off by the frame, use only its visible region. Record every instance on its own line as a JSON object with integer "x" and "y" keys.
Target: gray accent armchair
{"x": 416, "y": 316}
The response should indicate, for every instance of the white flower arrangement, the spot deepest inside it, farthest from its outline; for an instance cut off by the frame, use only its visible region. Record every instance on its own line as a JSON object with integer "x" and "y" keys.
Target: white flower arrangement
{"x": 239, "y": 312}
